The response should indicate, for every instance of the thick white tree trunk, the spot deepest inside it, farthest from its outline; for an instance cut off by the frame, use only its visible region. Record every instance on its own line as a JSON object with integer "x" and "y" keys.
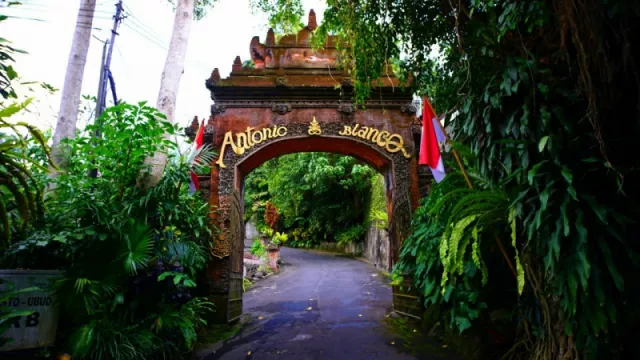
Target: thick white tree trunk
{"x": 68, "y": 115}
{"x": 170, "y": 82}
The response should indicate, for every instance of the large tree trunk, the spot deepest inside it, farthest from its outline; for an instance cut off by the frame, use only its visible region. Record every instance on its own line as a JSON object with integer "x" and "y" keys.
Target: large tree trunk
{"x": 170, "y": 82}
{"x": 68, "y": 115}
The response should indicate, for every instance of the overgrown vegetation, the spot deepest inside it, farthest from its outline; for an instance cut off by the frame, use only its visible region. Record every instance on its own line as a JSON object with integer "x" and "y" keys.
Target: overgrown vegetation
{"x": 130, "y": 257}
{"x": 318, "y": 198}
{"x": 115, "y": 241}
{"x": 544, "y": 97}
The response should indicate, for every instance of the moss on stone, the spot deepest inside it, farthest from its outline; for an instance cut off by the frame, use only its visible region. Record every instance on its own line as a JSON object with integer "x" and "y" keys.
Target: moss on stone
{"x": 377, "y": 198}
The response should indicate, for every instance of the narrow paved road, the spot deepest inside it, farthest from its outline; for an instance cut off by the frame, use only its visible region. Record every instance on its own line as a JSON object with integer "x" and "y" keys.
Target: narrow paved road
{"x": 322, "y": 306}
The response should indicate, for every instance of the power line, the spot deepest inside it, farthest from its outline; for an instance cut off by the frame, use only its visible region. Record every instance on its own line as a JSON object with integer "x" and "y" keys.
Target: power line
{"x": 136, "y": 25}
{"x": 46, "y": 8}
{"x": 135, "y": 21}
{"x": 48, "y": 3}
{"x": 146, "y": 30}
{"x": 20, "y": 11}
{"x": 47, "y": 21}
{"x": 147, "y": 37}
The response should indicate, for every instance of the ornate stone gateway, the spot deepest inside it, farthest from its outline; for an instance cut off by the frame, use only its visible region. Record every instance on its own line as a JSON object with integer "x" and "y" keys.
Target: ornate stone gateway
{"x": 297, "y": 100}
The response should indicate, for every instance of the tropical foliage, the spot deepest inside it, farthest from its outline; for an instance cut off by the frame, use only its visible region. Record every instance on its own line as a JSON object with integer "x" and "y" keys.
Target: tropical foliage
{"x": 130, "y": 257}
{"x": 286, "y": 14}
{"x": 115, "y": 241}
{"x": 20, "y": 194}
{"x": 318, "y": 197}
{"x": 8, "y": 74}
{"x": 257, "y": 248}
{"x": 545, "y": 101}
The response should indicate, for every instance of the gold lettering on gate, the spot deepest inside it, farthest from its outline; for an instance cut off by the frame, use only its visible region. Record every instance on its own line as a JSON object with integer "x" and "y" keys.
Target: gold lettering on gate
{"x": 248, "y": 139}
{"x": 390, "y": 142}
{"x": 251, "y": 137}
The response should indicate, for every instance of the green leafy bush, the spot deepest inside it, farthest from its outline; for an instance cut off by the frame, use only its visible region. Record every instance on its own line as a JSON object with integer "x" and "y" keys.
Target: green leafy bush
{"x": 459, "y": 300}
{"x": 279, "y": 238}
{"x": 352, "y": 235}
{"x": 130, "y": 256}
{"x": 257, "y": 248}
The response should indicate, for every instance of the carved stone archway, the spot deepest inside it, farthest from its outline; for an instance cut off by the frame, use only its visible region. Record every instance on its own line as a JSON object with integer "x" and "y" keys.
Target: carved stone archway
{"x": 297, "y": 100}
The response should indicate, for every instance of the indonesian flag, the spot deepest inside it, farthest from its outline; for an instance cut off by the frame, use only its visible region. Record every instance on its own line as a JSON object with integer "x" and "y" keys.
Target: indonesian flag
{"x": 195, "y": 182}
{"x": 432, "y": 135}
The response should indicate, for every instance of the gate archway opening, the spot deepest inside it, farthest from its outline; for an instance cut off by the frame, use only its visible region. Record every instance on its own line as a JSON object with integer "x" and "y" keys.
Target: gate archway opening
{"x": 364, "y": 155}
{"x": 296, "y": 99}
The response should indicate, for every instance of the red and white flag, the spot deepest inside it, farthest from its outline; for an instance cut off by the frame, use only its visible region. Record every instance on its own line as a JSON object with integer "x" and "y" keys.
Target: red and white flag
{"x": 195, "y": 182}
{"x": 432, "y": 135}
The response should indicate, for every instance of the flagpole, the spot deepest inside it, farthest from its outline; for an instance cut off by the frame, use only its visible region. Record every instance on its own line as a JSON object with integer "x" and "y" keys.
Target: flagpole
{"x": 466, "y": 177}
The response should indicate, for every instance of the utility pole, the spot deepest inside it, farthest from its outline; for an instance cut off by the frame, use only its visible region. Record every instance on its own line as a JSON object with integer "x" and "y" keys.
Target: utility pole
{"x": 105, "y": 75}
{"x": 99, "y": 101}
{"x": 106, "y": 72}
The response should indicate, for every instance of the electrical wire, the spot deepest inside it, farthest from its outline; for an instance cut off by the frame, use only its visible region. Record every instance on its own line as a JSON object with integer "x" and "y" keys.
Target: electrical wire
{"x": 145, "y": 31}
{"x": 137, "y": 23}
{"x": 164, "y": 47}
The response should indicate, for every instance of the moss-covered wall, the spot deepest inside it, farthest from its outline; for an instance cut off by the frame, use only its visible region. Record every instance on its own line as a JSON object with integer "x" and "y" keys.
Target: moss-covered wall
{"x": 376, "y": 241}
{"x": 377, "y": 198}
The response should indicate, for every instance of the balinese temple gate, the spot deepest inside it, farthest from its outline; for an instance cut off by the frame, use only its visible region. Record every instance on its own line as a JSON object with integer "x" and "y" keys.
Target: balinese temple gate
{"x": 297, "y": 100}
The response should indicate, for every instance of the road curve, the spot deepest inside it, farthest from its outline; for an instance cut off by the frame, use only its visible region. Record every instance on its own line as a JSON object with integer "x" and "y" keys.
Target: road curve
{"x": 321, "y": 306}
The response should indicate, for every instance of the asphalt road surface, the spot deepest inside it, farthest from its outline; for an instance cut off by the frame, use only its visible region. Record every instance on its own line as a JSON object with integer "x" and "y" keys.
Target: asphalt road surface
{"x": 321, "y": 306}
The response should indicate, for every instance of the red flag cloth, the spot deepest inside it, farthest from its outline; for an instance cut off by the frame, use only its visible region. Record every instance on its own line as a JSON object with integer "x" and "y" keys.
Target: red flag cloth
{"x": 195, "y": 182}
{"x": 429, "y": 145}
{"x": 429, "y": 149}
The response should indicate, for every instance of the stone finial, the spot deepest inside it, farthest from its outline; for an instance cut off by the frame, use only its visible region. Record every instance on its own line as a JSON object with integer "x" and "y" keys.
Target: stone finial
{"x": 237, "y": 64}
{"x": 218, "y": 109}
{"x": 313, "y": 23}
{"x": 271, "y": 38}
{"x": 192, "y": 129}
{"x": 215, "y": 76}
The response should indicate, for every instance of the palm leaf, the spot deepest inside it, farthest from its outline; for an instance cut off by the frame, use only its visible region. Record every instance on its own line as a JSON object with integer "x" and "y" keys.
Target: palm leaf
{"x": 13, "y": 109}
{"x": 200, "y": 159}
{"x": 15, "y": 176}
{"x": 136, "y": 248}
{"x": 21, "y": 199}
